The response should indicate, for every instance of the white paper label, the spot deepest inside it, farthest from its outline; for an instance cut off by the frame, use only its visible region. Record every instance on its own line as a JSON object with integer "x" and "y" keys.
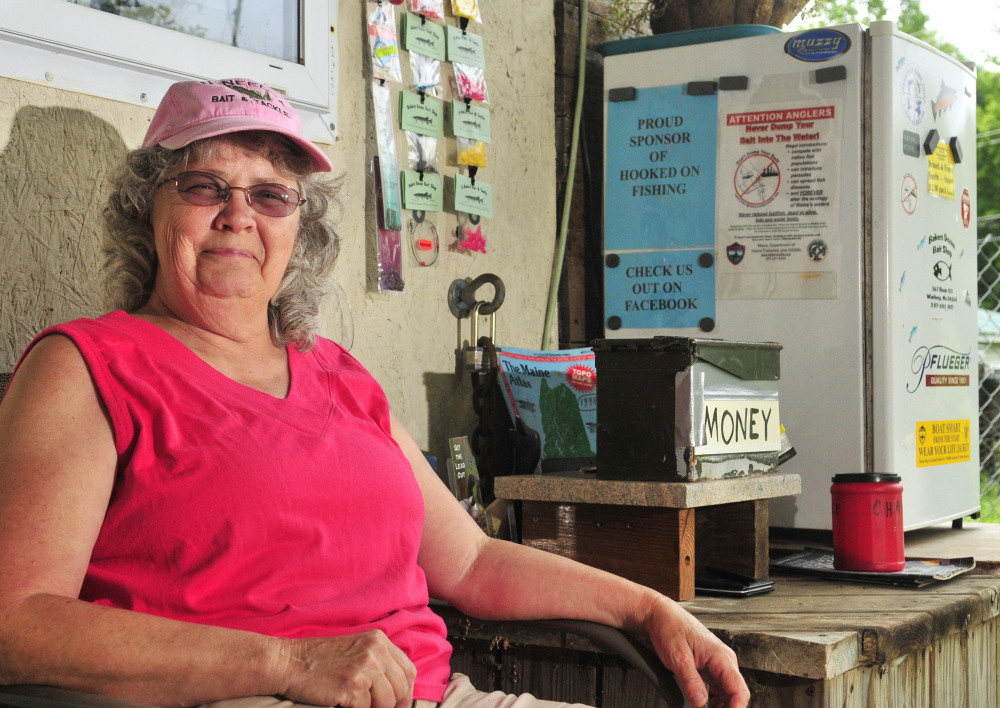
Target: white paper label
{"x": 778, "y": 205}
{"x": 731, "y": 426}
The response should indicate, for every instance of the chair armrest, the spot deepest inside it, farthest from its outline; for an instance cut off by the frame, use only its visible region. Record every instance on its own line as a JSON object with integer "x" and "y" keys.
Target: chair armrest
{"x": 639, "y": 657}
{"x": 32, "y": 696}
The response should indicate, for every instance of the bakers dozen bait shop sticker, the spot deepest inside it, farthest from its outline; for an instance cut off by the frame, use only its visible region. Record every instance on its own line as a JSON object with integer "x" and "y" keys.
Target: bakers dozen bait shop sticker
{"x": 818, "y": 45}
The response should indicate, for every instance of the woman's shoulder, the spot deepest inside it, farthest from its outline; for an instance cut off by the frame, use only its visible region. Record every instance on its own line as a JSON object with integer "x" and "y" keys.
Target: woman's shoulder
{"x": 112, "y": 324}
{"x": 334, "y": 357}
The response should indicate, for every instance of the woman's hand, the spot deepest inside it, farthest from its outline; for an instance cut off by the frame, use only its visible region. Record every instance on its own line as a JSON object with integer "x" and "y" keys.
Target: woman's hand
{"x": 703, "y": 665}
{"x": 363, "y": 670}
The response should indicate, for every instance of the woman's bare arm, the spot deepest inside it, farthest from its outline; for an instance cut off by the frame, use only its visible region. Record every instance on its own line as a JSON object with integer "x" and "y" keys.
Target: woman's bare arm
{"x": 494, "y": 579}
{"x": 57, "y": 469}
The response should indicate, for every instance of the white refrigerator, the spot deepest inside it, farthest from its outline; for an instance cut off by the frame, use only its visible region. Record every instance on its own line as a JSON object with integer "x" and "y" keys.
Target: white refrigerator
{"x": 815, "y": 189}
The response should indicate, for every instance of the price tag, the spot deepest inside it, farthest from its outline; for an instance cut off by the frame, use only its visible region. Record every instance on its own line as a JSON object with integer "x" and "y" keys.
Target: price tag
{"x": 422, "y": 192}
{"x": 423, "y": 115}
{"x": 472, "y": 122}
{"x": 473, "y": 198}
{"x": 466, "y": 48}
{"x": 422, "y": 37}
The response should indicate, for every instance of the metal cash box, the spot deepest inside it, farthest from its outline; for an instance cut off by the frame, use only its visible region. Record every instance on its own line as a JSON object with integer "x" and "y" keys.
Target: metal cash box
{"x": 675, "y": 409}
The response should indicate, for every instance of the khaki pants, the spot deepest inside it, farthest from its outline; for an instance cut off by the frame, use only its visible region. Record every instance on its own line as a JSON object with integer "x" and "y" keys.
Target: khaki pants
{"x": 459, "y": 694}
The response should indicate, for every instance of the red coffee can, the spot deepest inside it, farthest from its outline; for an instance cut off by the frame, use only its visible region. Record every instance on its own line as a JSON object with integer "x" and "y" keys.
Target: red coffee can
{"x": 868, "y": 522}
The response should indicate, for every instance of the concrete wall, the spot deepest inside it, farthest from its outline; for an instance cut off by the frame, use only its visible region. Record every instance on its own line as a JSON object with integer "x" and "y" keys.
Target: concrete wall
{"x": 57, "y": 147}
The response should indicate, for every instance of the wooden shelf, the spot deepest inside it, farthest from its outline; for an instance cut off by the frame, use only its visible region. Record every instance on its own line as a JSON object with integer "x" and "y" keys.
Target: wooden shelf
{"x": 581, "y": 488}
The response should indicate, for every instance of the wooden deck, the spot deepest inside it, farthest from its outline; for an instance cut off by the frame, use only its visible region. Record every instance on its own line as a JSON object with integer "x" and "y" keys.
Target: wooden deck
{"x": 810, "y": 643}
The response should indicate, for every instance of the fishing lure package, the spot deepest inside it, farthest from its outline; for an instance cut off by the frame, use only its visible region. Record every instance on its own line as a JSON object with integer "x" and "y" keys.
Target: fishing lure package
{"x": 390, "y": 261}
{"x": 428, "y": 8}
{"x": 471, "y": 152}
{"x": 469, "y": 234}
{"x": 423, "y": 237}
{"x": 422, "y": 152}
{"x": 388, "y": 171}
{"x": 426, "y": 73}
{"x": 471, "y": 82}
{"x": 383, "y": 42}
{"x": 469, "y": 9}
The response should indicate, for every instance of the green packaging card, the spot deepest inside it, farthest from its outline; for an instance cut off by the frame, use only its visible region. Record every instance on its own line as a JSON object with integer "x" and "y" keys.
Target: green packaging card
{"x": 421, "y": 114}
{"x": 466, "y": 48}
{"x": 422, "y": 192}
{"x": 472, "y": 122}
{"x": 473, "y": 198}
{"x": 422, "y": 37}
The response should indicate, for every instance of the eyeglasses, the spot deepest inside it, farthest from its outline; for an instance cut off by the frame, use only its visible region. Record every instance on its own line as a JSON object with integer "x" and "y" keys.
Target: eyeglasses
{"x": 204, "y": 189}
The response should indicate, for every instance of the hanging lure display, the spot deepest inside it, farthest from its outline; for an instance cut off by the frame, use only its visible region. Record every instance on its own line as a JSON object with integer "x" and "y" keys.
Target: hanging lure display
{"x": 426, "y": 74}
{"x": 471, "y": 152}
{"x": 423, "y": 237}
{"x": 426, "y": 43}
{"x": 388, "y": 202}
{"x": 385, "y": 138}
{"x": 428, "y": 8}
{"x": 468, "y": 57}
{"x": 471, "y": 126}
{"x": 469, "y": 235}
{"x": 467, "y": 9}
{"x": 382, "y": 40}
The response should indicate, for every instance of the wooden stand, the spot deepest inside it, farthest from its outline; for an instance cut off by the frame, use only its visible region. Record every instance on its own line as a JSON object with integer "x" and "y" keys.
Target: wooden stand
{"x": 648, "y": 531}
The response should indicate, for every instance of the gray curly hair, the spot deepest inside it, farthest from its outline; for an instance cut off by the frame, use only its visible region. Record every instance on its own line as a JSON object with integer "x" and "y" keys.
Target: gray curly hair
{"x": 130, "y": 254}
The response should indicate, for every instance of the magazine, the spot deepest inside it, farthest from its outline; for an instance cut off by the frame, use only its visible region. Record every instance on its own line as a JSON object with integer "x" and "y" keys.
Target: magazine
{"x": 916, "y": 573}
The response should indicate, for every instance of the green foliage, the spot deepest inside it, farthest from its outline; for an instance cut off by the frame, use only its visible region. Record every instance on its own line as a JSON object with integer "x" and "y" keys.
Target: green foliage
{"x": 628, "y": 18}
{"x": 912, "y": 19}
{"x": 842, "y": 12}
{"x": 988, "y": 177}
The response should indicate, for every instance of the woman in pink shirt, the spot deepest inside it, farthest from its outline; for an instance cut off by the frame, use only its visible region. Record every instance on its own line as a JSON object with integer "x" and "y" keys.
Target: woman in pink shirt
{"x": 201, "y": 500}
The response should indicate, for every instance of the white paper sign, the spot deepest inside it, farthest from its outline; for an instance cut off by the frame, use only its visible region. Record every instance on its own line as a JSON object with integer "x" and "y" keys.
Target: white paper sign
{"x": 777, "y": 179}
{"x": 732, "y": 426}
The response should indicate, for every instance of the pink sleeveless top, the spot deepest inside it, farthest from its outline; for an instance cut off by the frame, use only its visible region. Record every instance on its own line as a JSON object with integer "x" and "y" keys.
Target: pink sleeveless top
{"x": 295, "y": 517}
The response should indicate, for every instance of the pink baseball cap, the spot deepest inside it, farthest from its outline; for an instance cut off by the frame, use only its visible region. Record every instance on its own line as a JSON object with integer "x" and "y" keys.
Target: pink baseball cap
{"x": 192, "y": 110}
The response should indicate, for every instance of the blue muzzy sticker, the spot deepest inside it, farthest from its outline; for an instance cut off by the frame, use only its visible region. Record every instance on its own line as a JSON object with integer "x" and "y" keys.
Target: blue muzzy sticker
{"x": 818, "y": 45}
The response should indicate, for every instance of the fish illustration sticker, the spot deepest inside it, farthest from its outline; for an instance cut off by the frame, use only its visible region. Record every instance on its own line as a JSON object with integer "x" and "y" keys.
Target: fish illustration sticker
{"x": 908, "y": 193}
{"x": 913, "y": 95}
{"x": 966, "y": 208}
{"x": 945, "y": 100}
{"x": 473, "y": 197}
{"x": 422, "y": 191}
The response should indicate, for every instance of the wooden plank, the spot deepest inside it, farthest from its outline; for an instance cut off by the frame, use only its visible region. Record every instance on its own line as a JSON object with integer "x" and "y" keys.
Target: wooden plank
{"x": 817, "y": 655}
{"x": 950, "y": 613}
{"x": 552, "y": 674}
{"x": 981, "y": 666}
{"x": 884, "y": 636}
{"x": 907, "y": 681}
{"x": 734, "y": 537}
{"x": 771, "y": 690}
{"x": 475, "y": 659}
{"x": 949, "y": 681}
{"x": 987, "y": 588}
{"x": 624, "y": 687}
{"x": 649, "y": 545}
{"x": 849, "y": 690}
{"x": 584, "y": 489}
